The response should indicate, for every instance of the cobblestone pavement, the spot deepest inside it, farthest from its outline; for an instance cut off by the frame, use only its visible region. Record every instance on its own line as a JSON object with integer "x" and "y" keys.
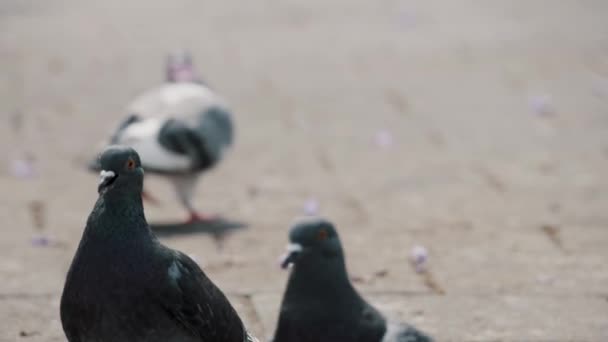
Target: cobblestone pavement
{"x": 477, "y": 129}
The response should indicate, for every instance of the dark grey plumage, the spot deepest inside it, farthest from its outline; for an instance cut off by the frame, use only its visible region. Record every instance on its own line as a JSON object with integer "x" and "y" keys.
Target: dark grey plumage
{"x": 320, "y": 304}
{"x": 124, "y": 285}
{"x": 201, "y": 137}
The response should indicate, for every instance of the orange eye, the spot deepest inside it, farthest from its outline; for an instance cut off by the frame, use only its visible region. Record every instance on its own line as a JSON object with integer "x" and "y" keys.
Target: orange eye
{"x": 130, "y": 164}
{"x": 322, "y": 235}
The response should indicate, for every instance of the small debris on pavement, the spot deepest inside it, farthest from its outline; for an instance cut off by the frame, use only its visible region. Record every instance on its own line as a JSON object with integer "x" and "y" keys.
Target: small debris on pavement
{"x": 47, "y": 241}
{"x": 311, "y": 207}
{"x": 542, "y": 105}
{"x": 419, "y": 258}
{"x": 381, "y": 273}
{"x": 358, "y": 279}
{"x": 40, "y": 241}
{"x": 553, "y": 233}
{"x": 384, "y": 139}
{"x": 23, "y": 168}
{"x": 24, "y": 333}
{"x": 431, "y": 283}
{"x": 37, "y": 213}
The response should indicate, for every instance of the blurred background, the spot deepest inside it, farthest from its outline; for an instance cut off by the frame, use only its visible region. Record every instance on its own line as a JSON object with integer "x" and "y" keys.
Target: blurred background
{"x": 474, "y": 132}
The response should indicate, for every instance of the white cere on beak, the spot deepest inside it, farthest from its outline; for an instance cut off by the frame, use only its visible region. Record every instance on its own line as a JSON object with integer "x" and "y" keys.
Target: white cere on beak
{"x": 287, "y": 258}
{"x": 103, "y": 175}
{"x": 294, "y": 247}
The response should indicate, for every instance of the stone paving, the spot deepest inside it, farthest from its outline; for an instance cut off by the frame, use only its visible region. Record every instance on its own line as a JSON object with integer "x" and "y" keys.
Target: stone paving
{"x": 477, "y": 129}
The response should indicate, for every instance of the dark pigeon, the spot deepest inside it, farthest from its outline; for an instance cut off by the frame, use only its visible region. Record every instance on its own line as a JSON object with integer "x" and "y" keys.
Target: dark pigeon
{"x": 181, "y": 129}
{"x": 320, "y": 303}
{"x": 124, "y": 285}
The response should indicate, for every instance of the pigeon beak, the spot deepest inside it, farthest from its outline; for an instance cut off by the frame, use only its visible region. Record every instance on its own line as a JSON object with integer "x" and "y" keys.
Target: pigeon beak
{"x": 293, "y": 251}
{"x": 106, "y": 178}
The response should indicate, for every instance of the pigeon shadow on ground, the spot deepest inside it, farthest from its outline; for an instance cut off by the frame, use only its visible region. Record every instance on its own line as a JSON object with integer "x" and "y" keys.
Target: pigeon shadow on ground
{"x": 218, "y": 228}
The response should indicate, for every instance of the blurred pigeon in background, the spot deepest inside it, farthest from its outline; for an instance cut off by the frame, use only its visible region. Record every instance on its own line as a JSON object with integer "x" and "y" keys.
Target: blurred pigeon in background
{"x": 320, "y": 303}
{"x": 124, "y": 285}
{"x": 179, "y": 129}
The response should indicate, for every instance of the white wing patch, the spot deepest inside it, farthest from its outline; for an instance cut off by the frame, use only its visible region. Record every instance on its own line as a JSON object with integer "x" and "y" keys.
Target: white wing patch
{"x": 143, "y": 137}
{"x": 395, "y": 333}
{"x": 251, "y": 338}
{"x": 173, "y": 272}
{"x": 392, "y": 332}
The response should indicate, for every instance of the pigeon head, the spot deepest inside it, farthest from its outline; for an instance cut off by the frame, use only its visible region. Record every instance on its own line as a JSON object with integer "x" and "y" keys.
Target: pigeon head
{"x": 120, "y": 170}
{"x": 312, "y": 239}
{"x": 179, "y": 67}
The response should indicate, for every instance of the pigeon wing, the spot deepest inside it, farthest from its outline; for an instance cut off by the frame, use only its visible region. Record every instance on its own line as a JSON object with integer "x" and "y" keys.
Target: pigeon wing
{"x": 196, "y": 305}
{"x": 181, "y": 139}
{"x": 401, "y": 332}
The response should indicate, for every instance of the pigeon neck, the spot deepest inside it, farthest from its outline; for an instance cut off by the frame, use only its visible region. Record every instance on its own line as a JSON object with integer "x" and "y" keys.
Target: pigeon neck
{"x": 126, "y": 200}
{"x": 320, "y": 278}
{"x": 118, "y": 214}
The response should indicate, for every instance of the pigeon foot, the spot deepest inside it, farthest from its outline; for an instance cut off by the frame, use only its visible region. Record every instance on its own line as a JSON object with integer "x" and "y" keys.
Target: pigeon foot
{"x": 201, "y": 218}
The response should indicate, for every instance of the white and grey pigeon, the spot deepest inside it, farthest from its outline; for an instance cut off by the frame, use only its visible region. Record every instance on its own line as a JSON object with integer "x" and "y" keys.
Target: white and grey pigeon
{"x": 320, "y": 304}
{"x": 180, "y": 129}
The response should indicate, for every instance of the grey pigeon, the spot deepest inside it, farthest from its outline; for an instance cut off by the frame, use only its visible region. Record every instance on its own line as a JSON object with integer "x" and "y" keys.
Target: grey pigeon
{"x": 124, "y": 285}
{"x": 180, "y": 129}
{"x": 320, "y": 303}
